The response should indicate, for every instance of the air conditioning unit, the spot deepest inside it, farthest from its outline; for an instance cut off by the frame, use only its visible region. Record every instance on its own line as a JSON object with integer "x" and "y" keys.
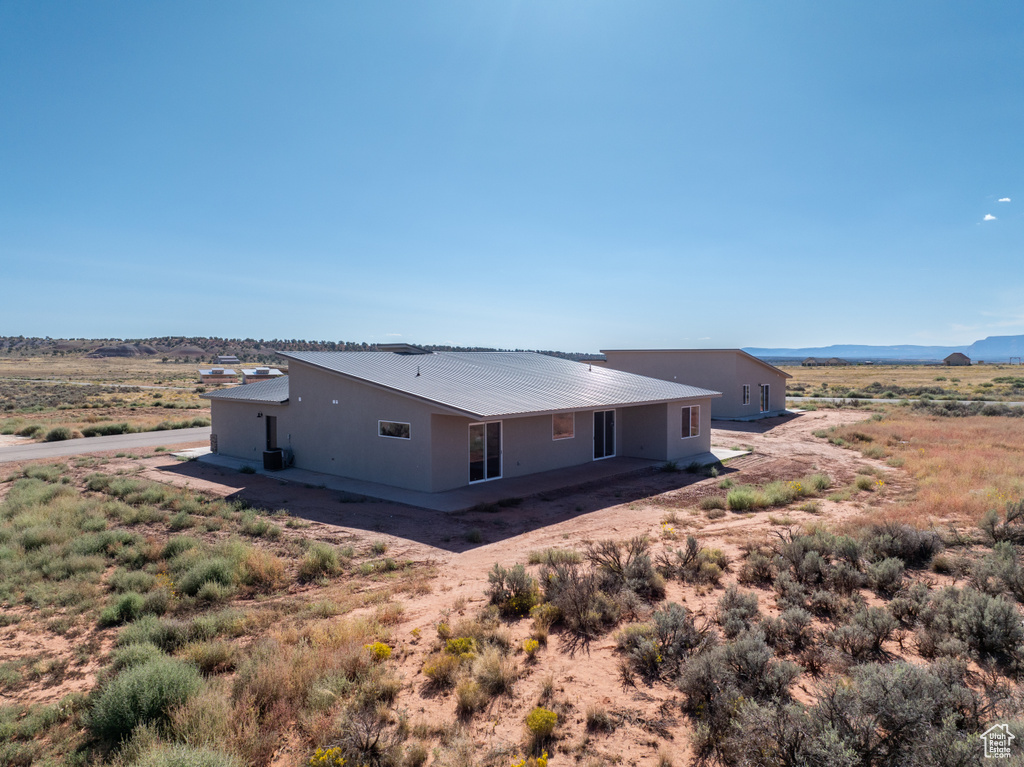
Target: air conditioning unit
{"x": 289, "y": 456}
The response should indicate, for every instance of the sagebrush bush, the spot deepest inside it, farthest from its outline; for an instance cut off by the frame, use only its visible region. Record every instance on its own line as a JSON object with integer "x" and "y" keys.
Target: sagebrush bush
{"x": 320, "y": 561}
{"x": 141, "y": 694}
{"x": 575, "y": 592}
{"x": 178, "y": 755}
{"x": 737, "y": 611}
{"x": 886, "y": 576}
{"x": 514, "y": 591}
{"x": 915, "y": 547}
{"x": 215, "y": 570}
{"x": 124, "y": 609}
{"x": 989, "y": 626}
{"x": 58, "y": 434}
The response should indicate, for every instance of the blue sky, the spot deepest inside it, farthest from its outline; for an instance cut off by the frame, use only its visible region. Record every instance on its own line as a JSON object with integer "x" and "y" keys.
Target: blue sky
{"x": 555, "y": 175}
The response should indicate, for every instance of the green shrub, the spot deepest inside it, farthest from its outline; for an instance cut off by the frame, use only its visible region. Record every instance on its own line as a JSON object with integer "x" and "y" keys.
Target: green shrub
{"x": 219, "y": 571}
{"x": 541, "y": 722}
{"x": 741, "y": 499}
{"x": 141, "y": 694}
{"x": 441, "y": 669}
{"x": 737, "y": 611}
{"x": 915, "y": 547}
{"x": 886, "y": 576}
{"x": 124, "y": 609}
{"x": 555, "y": 556}
{"x": 134, "y": 655}
{"x": 58, "y": 434}
{"x": 514, "y": 591}
{"x": 178, "y": 544}
{"x": 123, "y": 580}
{"x": 320, "y": 560}
{"x": 989, "y": 626}
{"x": 712, "y": 502}
{"x": 166, "y": 633}
{"x": 178, "y": 755}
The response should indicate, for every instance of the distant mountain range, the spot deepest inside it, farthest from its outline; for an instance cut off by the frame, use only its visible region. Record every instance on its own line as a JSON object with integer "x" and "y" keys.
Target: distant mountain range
{"x": 991, "y": 349}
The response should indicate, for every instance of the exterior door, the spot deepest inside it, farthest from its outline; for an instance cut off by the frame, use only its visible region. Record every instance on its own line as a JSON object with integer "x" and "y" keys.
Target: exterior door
{"x": 604, "y": 434}
{"x": 765, "y": 398}
{"x": 484, "y": 451}
{"x": 271, "y": 431}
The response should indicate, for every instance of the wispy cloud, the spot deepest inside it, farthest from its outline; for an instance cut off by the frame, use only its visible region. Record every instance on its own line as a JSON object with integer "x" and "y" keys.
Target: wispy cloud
{"x": 393, "y": 335}
{"x": 989, "y": 217}
{"x": 1004, "y": 199}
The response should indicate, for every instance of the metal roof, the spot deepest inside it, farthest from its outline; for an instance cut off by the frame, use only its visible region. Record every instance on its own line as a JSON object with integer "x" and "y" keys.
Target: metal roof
{"x": 261, "y": 372}
{"x": 758, "y": 360}
{"x": 493, "y": 384}
{"x": 274, "y": 390}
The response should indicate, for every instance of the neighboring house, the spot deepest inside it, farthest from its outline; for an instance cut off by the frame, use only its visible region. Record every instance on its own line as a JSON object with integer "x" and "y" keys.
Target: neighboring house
{"x": 252, "y": 375}
{"x": 438, "y": 421}
{"x": 217, "y": 375}
{"x": 837, "y": 362}
{"x": 751, "y": 388}
{"x": 811, "y": 362}
{"x": 227, "y": 359}
{"x": 956, "y": 358}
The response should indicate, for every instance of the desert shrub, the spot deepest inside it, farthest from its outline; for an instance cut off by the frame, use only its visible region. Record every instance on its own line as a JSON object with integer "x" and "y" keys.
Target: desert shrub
{"x": 514, "y": 591}
{"x": 741, "y": 499}
{"x": 379, "y": 651}
{"x": 824, "y": 603}
{"x": 791, "y": 631}
{"x": 626, "y": 565}
{"x": 989, "y": 626}
{"x": 367, "y": 737}
{"x": 788, "y": 592}
{"x": 134, "y": 655}
{"x": 712, "y": 502}
{"x": 210, "y": 657}
{"x": 865, "y": 720}
{"x": 441, "y": 669}
{"x": 915, "y": 547}
{"x": 886, "y": 576}
{"x": 737, "y": 611}
{"x": 124, "y": 609}
{"x": 598, "y": 719}
{"x": 541, "y": 723}
{"x": 58, "y": 434}
{"x": 320, "y": 560}
{"x": 218, "y": 571}
{"x": 844, "y": 578}
{"x": 756, "y": 569}
{"x": 906, "y": 607}
{"x": 167, "y": 634}
{"x": 141, "y": 694}
{"x": 469, "y": 697}
{"x": 694, "y": 563}
{"x": 178, "y": 544}
{"x": 715, "y": 684}
{"x": 575, "y": 591}
{"x": 123, "y": 580}
{"x": 495, "y": 672}
{"x": 660, "y": 646}
{"x": 262, "y": 570}
{"x": 1009, "y": 528}
{"x": 555, "y": 556}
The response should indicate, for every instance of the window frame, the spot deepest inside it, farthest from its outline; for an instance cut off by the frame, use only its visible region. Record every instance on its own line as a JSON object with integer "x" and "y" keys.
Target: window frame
{"x": 380, "y": 427}
{"x": 689, "y": 417}
{"x": 572, "y": 427}
{"x": 746, "y": 394}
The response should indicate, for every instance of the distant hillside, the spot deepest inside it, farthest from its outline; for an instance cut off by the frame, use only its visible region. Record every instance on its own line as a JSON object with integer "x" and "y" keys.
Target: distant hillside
{"x": 991, "y": 349}
{"x": 205, "y": 349}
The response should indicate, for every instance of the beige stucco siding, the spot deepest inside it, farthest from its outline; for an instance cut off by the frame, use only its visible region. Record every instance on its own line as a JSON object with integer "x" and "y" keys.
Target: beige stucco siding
{"x": 343, "y": 438}
{"x": 240, "y": 433}
{"x": 719, "y": 370}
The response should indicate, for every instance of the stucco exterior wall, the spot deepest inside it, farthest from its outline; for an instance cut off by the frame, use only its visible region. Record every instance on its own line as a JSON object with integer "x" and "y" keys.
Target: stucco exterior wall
{"x": 343, "y": 438}
{"x": 719, "y": 370}
{"x": 240, "y": 433}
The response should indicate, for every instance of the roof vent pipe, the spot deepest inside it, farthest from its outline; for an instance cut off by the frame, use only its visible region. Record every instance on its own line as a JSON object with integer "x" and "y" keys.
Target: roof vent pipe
{"x": 417, "y": 371}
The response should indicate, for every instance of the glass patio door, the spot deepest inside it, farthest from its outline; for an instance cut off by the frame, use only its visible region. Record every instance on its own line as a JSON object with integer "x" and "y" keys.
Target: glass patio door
{"x": 765, "y": 398}
{"x": 484, "y": 451}
{"x": 604, "y": 434}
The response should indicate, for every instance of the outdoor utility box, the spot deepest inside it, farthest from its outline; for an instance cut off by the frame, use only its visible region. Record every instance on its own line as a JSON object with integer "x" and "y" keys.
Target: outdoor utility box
{"x": 273, "y": 460}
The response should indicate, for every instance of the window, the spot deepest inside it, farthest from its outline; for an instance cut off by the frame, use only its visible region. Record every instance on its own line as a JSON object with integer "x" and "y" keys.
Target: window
{"x": 765, "y": 398}
{"x": 563, "y": 426}
{"x": 393, "y": 429}
{"x": 691, "y": 421}
{"x": 746, "y": 394}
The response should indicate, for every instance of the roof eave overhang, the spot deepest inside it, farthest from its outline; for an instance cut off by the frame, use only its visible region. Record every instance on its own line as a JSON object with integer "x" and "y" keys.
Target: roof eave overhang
{"x": 758, "y": 360}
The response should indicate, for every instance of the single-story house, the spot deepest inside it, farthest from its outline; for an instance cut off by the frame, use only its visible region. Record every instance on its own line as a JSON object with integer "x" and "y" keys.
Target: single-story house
{"x": 217, "y": 375}
{"x": 252, "y": 375}
{"x": 751, "y": 388}
{"x": 434, "y": 421}
{"x": 227, "y": 359}
{"x": 956, "y": 358}
{"x": 812, "y": 362}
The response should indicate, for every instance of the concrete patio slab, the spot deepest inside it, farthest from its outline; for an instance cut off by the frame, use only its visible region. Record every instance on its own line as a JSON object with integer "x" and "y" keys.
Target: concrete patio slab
{"x": 462, "y": 498}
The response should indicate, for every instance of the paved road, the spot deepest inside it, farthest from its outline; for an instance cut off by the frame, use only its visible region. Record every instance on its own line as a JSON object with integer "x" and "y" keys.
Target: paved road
{"x": 36, "y": 450}
{"x": 97, "y": 383}
{"x": 908, "y": 399}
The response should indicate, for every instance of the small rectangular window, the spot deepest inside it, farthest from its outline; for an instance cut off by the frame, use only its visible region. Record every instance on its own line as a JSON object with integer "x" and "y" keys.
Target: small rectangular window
{"x": 746, "y": 394}
{"x": 691, "y": 421}
{"x": 393, "y": 429}
{"x": 563, "y": 426}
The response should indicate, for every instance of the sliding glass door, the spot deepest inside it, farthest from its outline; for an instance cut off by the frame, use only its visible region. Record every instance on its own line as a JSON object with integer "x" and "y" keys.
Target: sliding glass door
{"x": 484, "y": 451}
{"x": 604, "y": 434}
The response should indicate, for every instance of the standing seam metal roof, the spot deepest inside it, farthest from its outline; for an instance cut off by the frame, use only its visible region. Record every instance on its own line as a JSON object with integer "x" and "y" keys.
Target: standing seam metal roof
{"x": 493, "y": 384}
{"x": 274, "y": 390}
